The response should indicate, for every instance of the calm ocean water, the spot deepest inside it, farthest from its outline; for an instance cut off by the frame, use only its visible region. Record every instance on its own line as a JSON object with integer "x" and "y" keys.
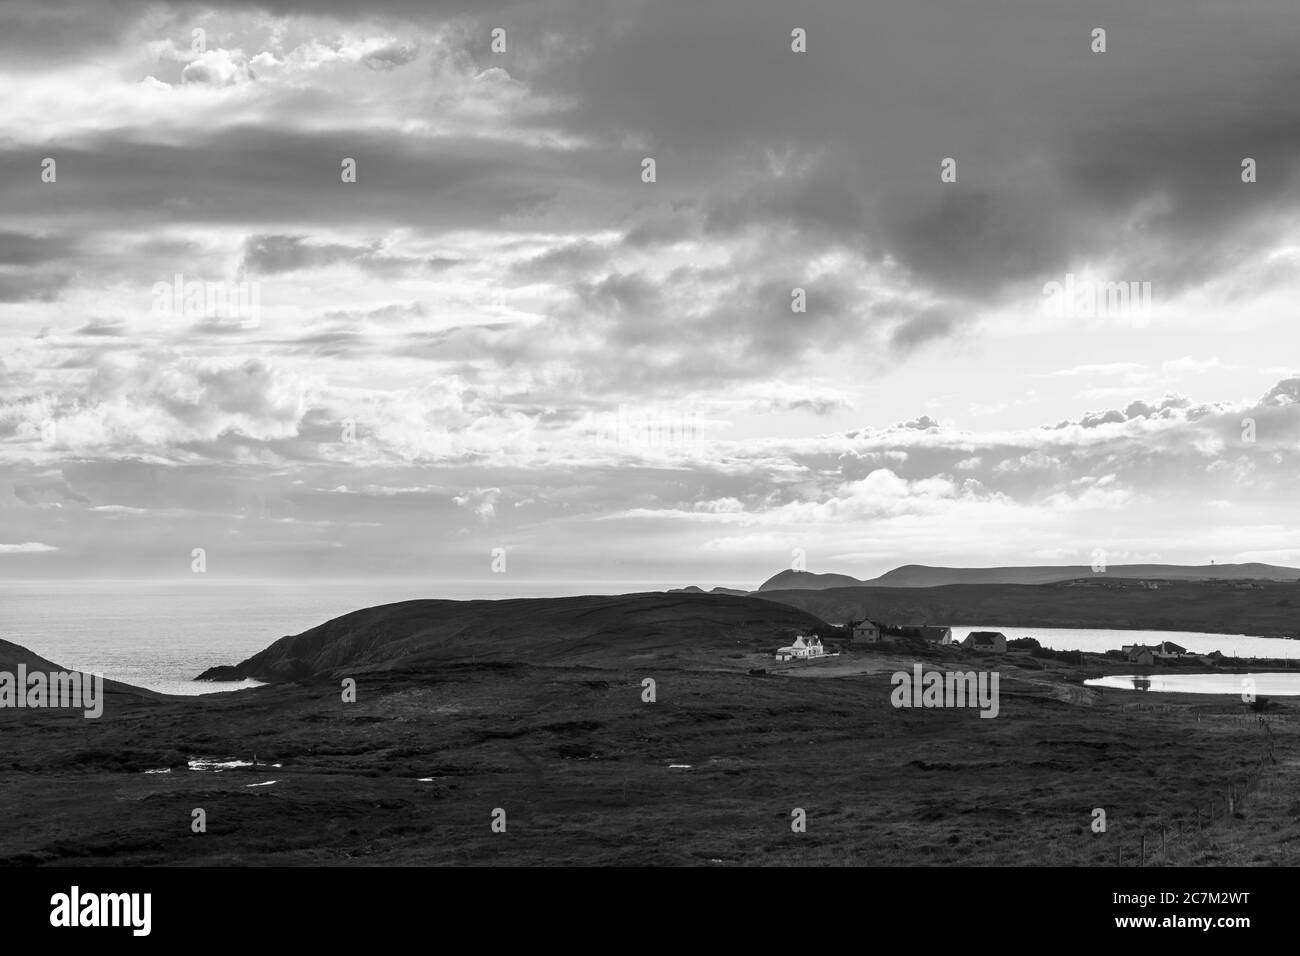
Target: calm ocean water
{"x": 161, "y": 634}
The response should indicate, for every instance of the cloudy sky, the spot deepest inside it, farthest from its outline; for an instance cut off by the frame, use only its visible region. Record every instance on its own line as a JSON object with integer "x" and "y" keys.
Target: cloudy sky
{"x": 502, "y": 336}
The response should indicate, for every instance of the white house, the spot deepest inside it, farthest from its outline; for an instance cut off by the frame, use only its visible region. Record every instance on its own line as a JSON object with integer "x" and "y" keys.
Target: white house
{"x": 804, "y": 646}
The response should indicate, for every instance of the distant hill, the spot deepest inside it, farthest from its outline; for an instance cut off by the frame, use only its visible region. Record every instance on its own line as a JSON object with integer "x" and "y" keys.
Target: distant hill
{"x": 692, "y": 589}
{"x": 1270, "y": 610}
{"x": 629, "y": 629}
{"x": 923, "y": 576}
{"x": 786, "y": 580}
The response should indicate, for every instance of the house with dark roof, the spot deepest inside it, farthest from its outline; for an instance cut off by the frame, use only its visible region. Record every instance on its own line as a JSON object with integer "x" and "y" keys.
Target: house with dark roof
{"x": 1139, "y": 653}
{"x": 930, "y": 633}
{"x": 990, "y": 642}
{"x": 866, "y": 631}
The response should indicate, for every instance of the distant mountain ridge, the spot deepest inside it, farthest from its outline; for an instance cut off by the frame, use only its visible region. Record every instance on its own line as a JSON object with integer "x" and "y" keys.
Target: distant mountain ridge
{"x": 924, "y": 576}
{"x": 807, "y": 580}
{"x": 1222, "y": 607}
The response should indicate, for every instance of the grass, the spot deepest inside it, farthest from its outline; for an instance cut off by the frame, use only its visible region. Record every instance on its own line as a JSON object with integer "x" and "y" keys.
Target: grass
{"x": 581, "y": 766}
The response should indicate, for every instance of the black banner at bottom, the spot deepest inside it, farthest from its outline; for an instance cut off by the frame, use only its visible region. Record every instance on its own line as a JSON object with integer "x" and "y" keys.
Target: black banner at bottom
{"x": 335, "y": 905}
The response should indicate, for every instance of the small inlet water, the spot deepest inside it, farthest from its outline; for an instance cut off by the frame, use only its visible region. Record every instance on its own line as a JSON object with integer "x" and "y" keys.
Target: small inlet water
{"x": 1265, "y": 685}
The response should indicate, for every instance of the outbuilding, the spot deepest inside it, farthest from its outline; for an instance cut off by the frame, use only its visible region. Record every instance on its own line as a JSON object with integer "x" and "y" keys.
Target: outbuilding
{"x": 994, "y": 642}
{"x": 867, "y": 631}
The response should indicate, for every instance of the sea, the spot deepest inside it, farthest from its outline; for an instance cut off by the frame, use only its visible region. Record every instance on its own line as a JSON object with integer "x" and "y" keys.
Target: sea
{"x": 161, "y": 634}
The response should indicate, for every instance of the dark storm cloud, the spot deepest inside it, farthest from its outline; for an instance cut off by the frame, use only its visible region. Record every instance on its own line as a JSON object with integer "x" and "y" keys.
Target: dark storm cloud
{"x": 32, "y": 286}
{"x": 22, "y": 249}
{"x": 34, "y": 32}
{"x": 700, "y": 326}
{"x": 1205, "y": 215}
{"x": 1056, "y": 150}
{"x": 1057, "y": 147}
{"x": 661, "y": 225}
{"x": 972, "y": 242}
{"x": 819, "y": 202}
{"x": 923, "y": 326}
{"x": 267, "y": 176}
{"x": 418, "y": 10}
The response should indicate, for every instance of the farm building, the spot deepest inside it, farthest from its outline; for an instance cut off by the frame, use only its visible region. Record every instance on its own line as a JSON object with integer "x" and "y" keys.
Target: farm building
{"x": 931, "y": 634}
{"x": 804, "y": 646}
{"x": 1139, "y": 653}
{"x": 988, "y": 641}
{"x": 1165, "y": 650}
{"x": 867, "y": 632}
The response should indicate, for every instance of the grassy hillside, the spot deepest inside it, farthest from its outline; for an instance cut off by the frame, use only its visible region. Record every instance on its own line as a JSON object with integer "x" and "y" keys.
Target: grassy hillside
{"x": 1271, "y": 611}
{"x": 589, "y": 773}
{"x": 11, "y": 655}
{"x": 591, "y": 630}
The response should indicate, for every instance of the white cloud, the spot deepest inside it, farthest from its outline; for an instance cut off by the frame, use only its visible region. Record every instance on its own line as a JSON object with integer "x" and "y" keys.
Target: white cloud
{"x": 27, "y": 547}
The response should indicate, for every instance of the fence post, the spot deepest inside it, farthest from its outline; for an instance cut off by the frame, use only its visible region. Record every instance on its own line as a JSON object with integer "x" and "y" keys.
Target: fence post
{"x": 1162, "y": 839}
{"x": 1142, "y": 851}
